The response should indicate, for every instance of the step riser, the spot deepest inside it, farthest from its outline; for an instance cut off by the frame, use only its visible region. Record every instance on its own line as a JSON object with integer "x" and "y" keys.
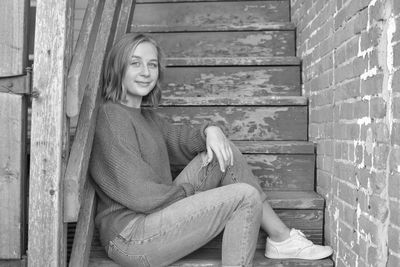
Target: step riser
{"x": 228, "y": 81}
{"x": 309, "y": 221}
{"x": 227, "y": 44}
{"x": 280, "y": 172}
{"x": 247, "y": 122}
{"x": 209, "y": 13}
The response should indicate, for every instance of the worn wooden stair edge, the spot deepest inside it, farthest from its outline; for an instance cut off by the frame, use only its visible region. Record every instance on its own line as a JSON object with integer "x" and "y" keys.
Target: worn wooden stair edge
{"x": 268, "y": 26}
{"x": 178, "y": 1}
{"x": 234, "y": 101}
{"x": 232, "y": 61}
{"x": 212, "y": 257}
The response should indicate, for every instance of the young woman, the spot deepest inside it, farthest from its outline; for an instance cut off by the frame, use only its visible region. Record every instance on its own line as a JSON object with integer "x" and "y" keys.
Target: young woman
{"x": 145, "y": 217}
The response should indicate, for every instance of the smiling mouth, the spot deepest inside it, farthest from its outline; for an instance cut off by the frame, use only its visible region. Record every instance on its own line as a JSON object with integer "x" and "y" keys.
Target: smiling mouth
{"x": 143, "y": 83}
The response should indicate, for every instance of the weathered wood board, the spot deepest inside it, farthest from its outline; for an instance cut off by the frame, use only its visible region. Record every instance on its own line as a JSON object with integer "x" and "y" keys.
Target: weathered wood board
{"x": 227, "y": 44}
{"x": 47, "y": 233}
{"x": 210, "y": 13}
{"x": 225, "y": 81}
{"x": 12, "y": 174}
{"x": 13, "y": 120}
{"x": 212, "y": 258}
{"x": 246, "y": 122}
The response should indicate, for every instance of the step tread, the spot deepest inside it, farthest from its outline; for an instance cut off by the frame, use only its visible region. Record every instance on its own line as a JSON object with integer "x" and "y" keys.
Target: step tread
{"x": 295, "y": 200}
{"x": 234, "y": 101}
{"x": 276, "y": 147}
{"x": 177, "y": 1}
{"x": 212, "y": 257}
{"x": 232, "y": 61}
{"x": 266, "y": 26}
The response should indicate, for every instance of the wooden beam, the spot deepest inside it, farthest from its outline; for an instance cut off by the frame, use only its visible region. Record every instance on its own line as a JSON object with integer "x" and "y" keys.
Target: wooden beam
{"x": 80, "y": 152}
{"x": 79, "y": 70}
{"x": 84, "y": 230}
{"x": 46, "y": 235}
{"x": 13, "y": 59}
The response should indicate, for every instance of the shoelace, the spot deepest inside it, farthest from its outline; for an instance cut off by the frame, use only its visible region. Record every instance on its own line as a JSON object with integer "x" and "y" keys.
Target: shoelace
{"x": 302, "y": 237}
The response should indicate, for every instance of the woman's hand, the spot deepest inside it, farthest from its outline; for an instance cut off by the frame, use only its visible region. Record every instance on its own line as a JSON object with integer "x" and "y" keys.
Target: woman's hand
{"x": 218, "y": 143}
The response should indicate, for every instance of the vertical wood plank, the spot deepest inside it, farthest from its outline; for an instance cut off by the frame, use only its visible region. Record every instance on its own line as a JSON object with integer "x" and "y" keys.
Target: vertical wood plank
{"x": 13, "y": 59}
{"x": 46, "y": 235}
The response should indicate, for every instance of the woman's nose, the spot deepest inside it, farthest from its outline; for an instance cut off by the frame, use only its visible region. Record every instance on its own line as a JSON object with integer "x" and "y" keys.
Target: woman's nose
{"x": 145, "y": 70}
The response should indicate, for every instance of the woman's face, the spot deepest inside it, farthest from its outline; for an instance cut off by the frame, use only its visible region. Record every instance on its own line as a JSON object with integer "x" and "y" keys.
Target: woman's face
{"x": 141, "y": 74}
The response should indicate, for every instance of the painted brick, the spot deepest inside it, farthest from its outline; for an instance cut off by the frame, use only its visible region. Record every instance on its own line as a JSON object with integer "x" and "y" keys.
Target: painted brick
{"x": 396, "y": 133}
{"x": 394, "y": 185}
{"x": 377, "y": 208}
{"x": 361, "y": 22}
{"x": 393, "y": 261}
{"x": 360, "y": 65}
{"x": 361, "y": 110}
{"x": 377, "y": 108}
{"x": 380, "y": 132}
{"x": 396, "y": 78}
{"x": 394, "y": 212}
{"x": 349, "y": 257}
{"x": 347, "y": 193}
{"x": 370, "y": 38}
{"x": 373, "y": 256}
{"x": 372, "y": 85}
{"x": 394, "y": 239}
{"x": 348, "y": 90}
{"x": 369, "y": 229}
{"x": 396, "y": 59}
{"x": 396, "y": 107}
{"x": 394, "y": 159}
{"x": 380, "y": 155}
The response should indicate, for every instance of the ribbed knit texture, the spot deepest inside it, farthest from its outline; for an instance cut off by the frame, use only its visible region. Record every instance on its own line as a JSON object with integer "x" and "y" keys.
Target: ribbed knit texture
{"x": 130, "y": 164}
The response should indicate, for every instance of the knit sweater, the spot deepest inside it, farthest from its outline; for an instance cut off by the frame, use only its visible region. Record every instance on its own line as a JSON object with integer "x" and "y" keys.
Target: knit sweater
{"x": 130, "y": 164}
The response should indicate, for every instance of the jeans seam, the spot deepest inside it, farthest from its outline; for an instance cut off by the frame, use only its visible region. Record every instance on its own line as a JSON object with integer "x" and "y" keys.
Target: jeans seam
{"x": 245, "y": 233}
{"x": 142, "y": 258}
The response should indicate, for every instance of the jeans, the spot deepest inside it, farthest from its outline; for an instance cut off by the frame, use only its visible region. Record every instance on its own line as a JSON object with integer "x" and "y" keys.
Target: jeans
{"x": 231, "y": 200}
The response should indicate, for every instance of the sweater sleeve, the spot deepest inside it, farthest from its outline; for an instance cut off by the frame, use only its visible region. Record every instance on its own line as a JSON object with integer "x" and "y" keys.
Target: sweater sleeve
{"x": 119, "y": 170}
{"x": 184, "y": 142}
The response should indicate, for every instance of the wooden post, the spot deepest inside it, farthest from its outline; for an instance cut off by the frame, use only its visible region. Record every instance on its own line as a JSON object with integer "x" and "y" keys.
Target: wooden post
{"x": 13, "y": 59}
{"x": 47, "y": 232}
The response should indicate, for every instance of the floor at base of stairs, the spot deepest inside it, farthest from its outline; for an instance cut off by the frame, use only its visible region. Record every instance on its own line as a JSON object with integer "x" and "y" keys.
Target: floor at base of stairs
{"x": 212, "y": 258}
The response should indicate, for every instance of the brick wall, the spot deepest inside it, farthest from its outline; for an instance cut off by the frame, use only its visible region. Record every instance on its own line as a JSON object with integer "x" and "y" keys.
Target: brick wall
{"x": 351, "y": 74}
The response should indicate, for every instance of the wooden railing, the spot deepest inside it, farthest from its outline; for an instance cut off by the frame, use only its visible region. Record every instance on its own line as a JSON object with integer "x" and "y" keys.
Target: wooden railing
{"x": 105, "y": 21}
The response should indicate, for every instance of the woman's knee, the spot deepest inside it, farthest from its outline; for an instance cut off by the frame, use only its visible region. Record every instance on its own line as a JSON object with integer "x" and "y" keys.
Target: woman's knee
{"x": 248, "y": 193}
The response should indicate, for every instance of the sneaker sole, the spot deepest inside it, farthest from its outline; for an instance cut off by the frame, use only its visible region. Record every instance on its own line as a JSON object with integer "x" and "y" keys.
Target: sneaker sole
{"x": 319, "y": 257}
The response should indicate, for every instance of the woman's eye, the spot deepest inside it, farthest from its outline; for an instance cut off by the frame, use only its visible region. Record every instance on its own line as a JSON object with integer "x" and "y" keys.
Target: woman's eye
{"x": 153, "y": 65}
{"x": 135, "y": 63}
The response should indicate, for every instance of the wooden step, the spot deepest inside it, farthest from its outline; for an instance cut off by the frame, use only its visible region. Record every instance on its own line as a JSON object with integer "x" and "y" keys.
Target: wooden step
{"x": 212, "y": 258}
{"x": 231, "y": 61}
{"x": 210, "y": 13}
{"x": 225, "y": 81}
{"x": 302, "y": 210}
{"x": 267, "y": 26}
{"x": 227, "y": 43}
{"x": 249, "y": 120}
{"x": 279, "y": 165}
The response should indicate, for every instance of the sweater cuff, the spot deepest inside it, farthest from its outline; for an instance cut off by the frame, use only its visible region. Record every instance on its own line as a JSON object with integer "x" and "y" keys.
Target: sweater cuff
{"x": 208, "y": 124}
{"x": 188, "y": 188}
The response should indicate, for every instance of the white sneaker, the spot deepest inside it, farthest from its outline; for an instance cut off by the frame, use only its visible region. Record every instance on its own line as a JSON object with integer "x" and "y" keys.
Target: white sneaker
{"x": 297, "y": 246}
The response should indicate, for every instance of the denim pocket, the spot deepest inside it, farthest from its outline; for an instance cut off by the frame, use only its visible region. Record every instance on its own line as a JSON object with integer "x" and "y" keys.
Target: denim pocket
{"x": 120, "y": 256}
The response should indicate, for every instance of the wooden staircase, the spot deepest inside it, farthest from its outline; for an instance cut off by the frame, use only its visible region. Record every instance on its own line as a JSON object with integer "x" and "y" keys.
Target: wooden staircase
{"x": 233, "y": 62}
